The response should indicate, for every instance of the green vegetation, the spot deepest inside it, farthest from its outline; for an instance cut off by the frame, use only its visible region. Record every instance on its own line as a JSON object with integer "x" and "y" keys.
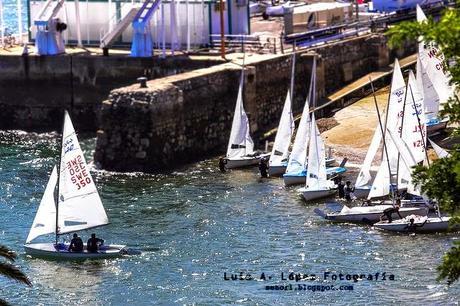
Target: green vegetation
{"x": 441, "y": 181}
{"x": 9, "y": 270}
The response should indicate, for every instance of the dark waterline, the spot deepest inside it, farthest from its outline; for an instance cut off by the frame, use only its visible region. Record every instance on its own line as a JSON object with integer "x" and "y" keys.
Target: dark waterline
{"x": 197, "y": 223}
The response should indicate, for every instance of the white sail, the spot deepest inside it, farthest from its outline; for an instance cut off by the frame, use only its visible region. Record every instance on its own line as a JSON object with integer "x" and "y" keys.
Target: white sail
{"x": 316, "y": 172}
{"x": 381, "y": 185}
{"x": 79, "y": 206}
{"x": 426, "y": 89}
{"x": 45, "y": 219}
{"x": 414, "y": 127}
{"x": 280, "y": 151}
{"x": 395, "y": 112}
{"x": 433, "y": 61}
{"x": 364, "y": 176}
{"x": 240, "y": 142}
{"x": 298, "y": 158}
{"x": 439, "y": 151}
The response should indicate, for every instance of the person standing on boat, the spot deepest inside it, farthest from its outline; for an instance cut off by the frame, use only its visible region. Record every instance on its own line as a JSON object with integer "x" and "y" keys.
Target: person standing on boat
{"x": 76, "y": 244}
{"x": 349, "y": 191}
{"x": 93, "y": 243}
{"x": 341, "y": 188}
{"x": 391, "y": 210}
{"x": 263, "y": 167}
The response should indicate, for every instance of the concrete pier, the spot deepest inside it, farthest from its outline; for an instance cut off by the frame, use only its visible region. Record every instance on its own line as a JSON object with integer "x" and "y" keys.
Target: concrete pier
{"x": 34, "y": 90}
{"x": 183, "y": 118}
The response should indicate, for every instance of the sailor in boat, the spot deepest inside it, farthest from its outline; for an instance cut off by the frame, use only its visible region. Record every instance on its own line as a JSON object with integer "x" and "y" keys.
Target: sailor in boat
{"x": 93, "y": 244}
{"x": 76, "y": 244}
{"x": 412, "y": 227}
{"x": 390, "y": 211}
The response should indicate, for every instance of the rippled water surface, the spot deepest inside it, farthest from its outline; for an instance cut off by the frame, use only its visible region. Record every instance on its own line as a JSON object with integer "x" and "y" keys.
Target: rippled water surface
{"x": 197, "y": 223}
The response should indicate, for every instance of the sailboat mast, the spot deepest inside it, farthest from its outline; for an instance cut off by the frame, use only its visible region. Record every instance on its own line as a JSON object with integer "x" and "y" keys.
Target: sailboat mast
{"x": 381, "y": 127}
{"x": 58, "y": 176}
{"x": 419, "y": 126}
{"x": 292, "y": 77}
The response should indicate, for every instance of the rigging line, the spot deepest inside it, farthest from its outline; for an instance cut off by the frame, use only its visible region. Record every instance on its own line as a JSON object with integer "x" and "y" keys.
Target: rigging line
{"x": 400, "y": 134}
{"x": 420, "y": 126}
{"x": 381, "y": 129}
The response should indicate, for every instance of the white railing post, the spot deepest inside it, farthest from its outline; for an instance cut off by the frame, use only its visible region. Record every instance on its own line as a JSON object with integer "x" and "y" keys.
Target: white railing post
{"x": 77, "y": 19}
{"x": 19, "y": 9}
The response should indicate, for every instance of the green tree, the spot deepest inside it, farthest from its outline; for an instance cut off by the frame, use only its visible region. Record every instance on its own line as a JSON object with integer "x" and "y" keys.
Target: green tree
{"x": 9, "y": 270}
{"x": 441, "y": 181}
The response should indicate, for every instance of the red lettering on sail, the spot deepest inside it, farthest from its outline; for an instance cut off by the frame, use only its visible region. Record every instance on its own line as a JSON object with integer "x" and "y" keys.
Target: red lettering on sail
{"x": 78, "y": 173}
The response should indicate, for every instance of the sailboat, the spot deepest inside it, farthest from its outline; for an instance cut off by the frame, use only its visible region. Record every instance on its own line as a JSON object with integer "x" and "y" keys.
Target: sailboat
{"x": 296, "y": 170}
{"x": 434, "y": 78}
{"x": 317, "y": 184}
{"x": 240, "y": 150}
{"x": 78, "y": 207}
{"x": 362, "y": 184}
{"x": 422, "y": 224}
{"x": 280, "y": 152}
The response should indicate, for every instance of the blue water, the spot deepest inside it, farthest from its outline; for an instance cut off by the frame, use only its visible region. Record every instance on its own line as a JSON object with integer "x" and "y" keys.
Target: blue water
{"x": 10, "y": 14}
{"x": 197, "y": 223}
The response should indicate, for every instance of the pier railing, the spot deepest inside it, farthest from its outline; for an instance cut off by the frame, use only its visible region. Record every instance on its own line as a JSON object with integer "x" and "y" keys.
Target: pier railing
{"x": 257, "y": 43}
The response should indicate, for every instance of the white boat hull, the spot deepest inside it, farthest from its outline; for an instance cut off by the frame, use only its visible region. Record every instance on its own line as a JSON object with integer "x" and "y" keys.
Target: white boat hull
{"x": 243, "y": 161}
{"x": 299, "y": 179}
{"x": 48, "y": 250}
{"x": 369, "y": 214}
{"x": 433, "y": 224}
{"x": 310, "y": 195}
{"x": 277, "y": 170}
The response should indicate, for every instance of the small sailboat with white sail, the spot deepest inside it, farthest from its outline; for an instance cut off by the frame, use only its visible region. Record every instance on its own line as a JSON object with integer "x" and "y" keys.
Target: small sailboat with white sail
{"x": 418, "y": 224}
{"x": 317, "y": 184}
{"x": 280, "y": 152}
{"x": 296, "y": 170}
{"x": 434, "y": 81}
{"x": 240, "y": 150}
{"x": 77, "y": 206}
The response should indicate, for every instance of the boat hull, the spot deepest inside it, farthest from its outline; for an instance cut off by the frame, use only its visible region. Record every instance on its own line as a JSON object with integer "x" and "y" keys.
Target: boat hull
{"x": 49, "y": 251}
{"x": 243, "y": 161}
{"x": 433, "y": 224}
{"x": 310, "y": 195}
{"x": 372, "y": 216}
{"x": 300, "y": 178}
{"x": 277, "y": 170}
{"x": 437, "y": 127}
{"x": 362, "y": 193}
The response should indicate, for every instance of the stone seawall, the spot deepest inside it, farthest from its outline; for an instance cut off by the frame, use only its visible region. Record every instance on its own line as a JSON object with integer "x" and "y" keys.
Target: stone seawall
{"x": 186, "y": 117}
{"x": 34, "y": 90}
